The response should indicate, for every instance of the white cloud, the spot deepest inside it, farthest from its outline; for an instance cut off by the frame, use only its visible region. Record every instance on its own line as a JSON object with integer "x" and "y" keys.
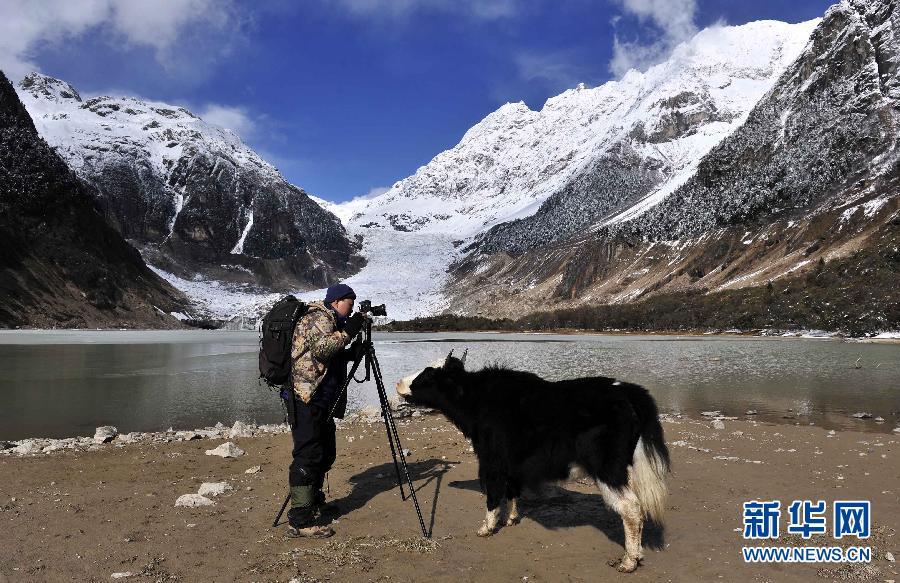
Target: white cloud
{"x": 557, "y": 71}
{"x": 477, "y": 9}
{"x": 236, "y": 119}
{"x": 373, "y": 192}
{"x": 26, "y": 26}
{"x": 673, "y": 18}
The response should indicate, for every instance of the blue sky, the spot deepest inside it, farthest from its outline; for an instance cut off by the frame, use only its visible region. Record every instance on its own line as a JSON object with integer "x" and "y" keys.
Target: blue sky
{"x": 349, "y": 96}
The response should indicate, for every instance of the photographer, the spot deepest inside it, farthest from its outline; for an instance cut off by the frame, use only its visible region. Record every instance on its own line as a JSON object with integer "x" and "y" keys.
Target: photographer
{"x": 318, "y": 373}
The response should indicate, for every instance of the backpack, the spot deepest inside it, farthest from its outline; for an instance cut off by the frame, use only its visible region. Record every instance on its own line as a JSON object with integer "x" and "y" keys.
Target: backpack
{"x": 276, "y": 336}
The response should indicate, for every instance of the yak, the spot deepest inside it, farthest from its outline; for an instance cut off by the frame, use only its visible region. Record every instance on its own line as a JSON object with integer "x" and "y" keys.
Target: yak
{"x": 526, "y": 431}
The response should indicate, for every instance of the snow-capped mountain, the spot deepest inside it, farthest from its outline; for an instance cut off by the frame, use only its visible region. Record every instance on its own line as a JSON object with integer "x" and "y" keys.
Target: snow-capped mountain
{"x": 522, "y": 179}
{"x": 202, "y": 207}
{"x": 751, "y": 154}
{"x": 809, "y": 177}
{"x": 61, "y": 263}
{"x": 667, "y": 117}
{"x": 829, "y": 123}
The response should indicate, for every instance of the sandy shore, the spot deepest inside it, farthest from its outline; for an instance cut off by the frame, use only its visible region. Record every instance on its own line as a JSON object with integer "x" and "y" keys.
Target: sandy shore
{"x": 82, "y": 515}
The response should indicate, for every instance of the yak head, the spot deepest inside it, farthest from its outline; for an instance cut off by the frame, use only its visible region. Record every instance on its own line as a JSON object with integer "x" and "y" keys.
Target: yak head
{"x": 436, "y": 386}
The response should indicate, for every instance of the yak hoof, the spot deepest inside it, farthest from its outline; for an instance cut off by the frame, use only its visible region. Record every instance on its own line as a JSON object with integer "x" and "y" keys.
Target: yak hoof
{"x": 513, "y": 520}
{"x": 627, "y": 565}
{"x": 485, "y": 531}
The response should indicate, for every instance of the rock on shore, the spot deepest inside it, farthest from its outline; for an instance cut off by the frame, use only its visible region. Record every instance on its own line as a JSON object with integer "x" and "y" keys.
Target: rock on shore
{"x": 227, "y": 449}
{"x": 37, "y": 446}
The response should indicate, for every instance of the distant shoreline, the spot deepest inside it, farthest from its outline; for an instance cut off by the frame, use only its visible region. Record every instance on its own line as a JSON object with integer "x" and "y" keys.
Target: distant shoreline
{"x": 36, "y": 446}
{"x": 756, "y": 333}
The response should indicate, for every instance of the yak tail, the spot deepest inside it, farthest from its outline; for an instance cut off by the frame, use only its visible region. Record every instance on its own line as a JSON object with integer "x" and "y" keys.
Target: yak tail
{"x": 650, "y": 463}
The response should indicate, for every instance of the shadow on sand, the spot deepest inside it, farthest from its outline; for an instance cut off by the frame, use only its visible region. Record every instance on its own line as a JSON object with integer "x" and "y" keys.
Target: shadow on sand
{"x": 382, "y": 478}
{"x": 553, "y": 506}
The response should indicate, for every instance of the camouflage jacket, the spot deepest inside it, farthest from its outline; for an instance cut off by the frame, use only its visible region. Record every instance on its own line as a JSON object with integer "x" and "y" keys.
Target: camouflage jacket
{"x": 316, "y": 342}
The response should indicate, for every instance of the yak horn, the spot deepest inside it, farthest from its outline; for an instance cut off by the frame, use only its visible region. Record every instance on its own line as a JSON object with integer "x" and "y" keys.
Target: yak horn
{"x": 463, "y": 359}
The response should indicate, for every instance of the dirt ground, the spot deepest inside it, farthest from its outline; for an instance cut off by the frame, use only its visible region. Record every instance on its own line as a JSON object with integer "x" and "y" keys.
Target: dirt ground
{"x": 84, "y": 516}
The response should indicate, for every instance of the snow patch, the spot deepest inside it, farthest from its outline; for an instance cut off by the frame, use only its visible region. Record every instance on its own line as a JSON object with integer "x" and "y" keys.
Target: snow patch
{"x": 888, "y": 335}
{"x": 869, "y": 208}
{"x": 239, "y": 247}
{"x": 216, "y": 299}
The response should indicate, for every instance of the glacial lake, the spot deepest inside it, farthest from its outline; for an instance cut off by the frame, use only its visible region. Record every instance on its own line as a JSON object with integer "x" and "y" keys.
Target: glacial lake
{"x": 66, "y": 383}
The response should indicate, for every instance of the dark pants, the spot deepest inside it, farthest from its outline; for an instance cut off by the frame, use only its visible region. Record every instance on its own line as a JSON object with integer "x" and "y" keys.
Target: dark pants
{"x": 313, "y": 431}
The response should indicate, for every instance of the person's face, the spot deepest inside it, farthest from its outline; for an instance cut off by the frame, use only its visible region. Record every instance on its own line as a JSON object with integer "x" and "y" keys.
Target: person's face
{"x": 343, "y": 307}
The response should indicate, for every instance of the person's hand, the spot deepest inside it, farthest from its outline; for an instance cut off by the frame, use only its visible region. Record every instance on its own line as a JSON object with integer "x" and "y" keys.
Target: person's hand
{"x": 354, "y": 324}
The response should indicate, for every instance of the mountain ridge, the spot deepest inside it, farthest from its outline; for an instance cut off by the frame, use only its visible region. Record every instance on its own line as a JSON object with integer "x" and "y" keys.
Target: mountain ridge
{"x": 61, "y": 263}
{"x": 652, "y": 136}
{"x": 197, "y": 202}
{"x": 810, "y": 176}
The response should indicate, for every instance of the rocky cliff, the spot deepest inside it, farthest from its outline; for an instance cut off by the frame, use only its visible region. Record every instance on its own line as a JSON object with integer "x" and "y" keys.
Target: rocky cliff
{"x": 61, "y": 263}
{"x": 191, "y": 196}
{"x": 808, "y": 178}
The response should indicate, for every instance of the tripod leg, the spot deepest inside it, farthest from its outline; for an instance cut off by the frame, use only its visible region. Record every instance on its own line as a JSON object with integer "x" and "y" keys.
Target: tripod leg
{"x": 280, "y": 512}
{"x": 393, "y": 436}
{"x": 395, "y": 445}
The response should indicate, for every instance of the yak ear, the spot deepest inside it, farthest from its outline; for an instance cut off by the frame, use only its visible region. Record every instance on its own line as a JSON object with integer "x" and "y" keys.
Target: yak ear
{"x": 452, "y": 363}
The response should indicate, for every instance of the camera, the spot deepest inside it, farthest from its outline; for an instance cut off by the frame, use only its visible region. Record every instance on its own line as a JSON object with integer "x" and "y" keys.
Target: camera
{"x": 366, "y": 307}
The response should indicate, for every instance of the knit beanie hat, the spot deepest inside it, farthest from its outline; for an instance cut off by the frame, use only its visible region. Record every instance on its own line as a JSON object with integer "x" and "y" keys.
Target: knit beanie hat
{"x": 339, "y": 291}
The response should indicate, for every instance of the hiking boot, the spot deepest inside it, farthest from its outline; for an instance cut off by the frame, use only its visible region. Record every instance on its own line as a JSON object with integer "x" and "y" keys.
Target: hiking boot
{"x": 302, "y": 524}
{"x": 316, "y": 531}
{"x": 302, "y": 515}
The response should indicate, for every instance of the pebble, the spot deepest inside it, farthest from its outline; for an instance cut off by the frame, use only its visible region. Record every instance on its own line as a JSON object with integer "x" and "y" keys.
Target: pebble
{"x": 253, "y": 470}
{"x": 56, "y": 446}
{"x": 105, "y": 434}
{"x": 711, "y": 413}
{"x": 862, "y": 415}
{"x": 122, "y": 575}
{"x": 889, "y": 557}
{"x": 227, "y": 449}
{"x": 27, "y": 447}
{"x": 241, "y": 429}
{"x": 214, "y": 488}
{"x": 193, "y": 501}
{"x": 718, "y": 424}
{"x": 128, "y": 437}
{"x": 751, "y": 412}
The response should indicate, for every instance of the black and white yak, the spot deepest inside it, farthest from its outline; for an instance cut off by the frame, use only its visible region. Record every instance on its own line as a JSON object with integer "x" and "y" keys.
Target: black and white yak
{"x": 526, "y": 431}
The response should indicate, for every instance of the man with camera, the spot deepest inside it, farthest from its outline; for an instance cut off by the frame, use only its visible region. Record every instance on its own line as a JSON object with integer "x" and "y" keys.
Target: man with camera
{"x": 318, "y": 374}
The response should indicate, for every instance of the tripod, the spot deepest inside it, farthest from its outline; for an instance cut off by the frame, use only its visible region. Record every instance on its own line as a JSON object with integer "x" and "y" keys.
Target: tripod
{"x": 367, "y": 355}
